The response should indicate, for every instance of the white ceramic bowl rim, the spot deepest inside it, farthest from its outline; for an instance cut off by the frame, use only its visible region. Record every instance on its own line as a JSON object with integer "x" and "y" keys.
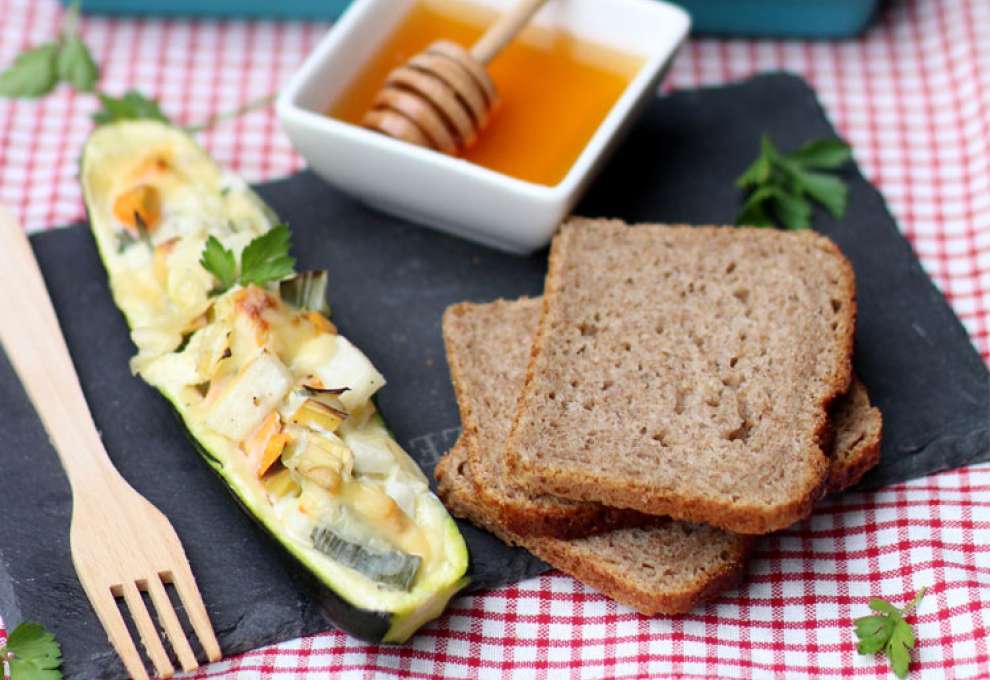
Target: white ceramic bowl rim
{"x": 306, "y": 80}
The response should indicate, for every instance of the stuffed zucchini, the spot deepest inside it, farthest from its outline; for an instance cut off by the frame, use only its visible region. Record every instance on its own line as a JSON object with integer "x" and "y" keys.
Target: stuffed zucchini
{"x": 279, "y": 403}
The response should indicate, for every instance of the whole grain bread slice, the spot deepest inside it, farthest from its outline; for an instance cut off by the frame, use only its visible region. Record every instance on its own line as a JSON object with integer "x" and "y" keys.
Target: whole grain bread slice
{"x": 686, "y": 371}
{"x": 487, "y": 350}
{"x": 666, "y": 568}
{"x": 655, "y": 569}
{"x": 488, "y": 347}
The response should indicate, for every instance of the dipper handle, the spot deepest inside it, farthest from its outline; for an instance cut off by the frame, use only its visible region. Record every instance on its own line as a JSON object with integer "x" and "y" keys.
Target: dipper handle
{"x": 504, "y": 30}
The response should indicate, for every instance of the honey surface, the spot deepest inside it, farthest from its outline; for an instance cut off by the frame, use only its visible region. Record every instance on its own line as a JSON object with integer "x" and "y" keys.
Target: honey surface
{"x": 555, "y": 88}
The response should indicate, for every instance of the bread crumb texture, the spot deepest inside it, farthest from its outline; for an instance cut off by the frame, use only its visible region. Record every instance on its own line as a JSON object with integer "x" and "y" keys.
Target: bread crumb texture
{"x": 488, "y": 348}
{"x": 687, "y": 371}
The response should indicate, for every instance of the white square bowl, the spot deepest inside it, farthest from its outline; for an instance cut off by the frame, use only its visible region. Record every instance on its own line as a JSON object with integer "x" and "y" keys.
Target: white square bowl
{"x": 448, "y": 193}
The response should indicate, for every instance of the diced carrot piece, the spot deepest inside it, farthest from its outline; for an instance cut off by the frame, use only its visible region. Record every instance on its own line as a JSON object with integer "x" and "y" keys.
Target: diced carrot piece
{"x": 256, "y": 445}
{"x": 272, "y": 452}
{"x": 139, "y": 204}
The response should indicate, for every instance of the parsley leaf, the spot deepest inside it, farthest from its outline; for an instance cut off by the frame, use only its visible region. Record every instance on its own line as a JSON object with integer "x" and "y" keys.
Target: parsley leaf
{"x": 76, "y": 66}
{"x": 34, "y": 73}
{"x": 780, "y": 185}
{"x": 873, "y": 633}
{"x": 220, "y": 262}
{"x": 32, "y": 653}
{"x": 759, "y": 172}
{"x": 267, "y": 258}
{"x": 828, "y": 154}
{"x": 133, "y": 105}
{"x": 888, "y": 632}
{"x": 754, "y": 211}
{"x": 827, "y": 190}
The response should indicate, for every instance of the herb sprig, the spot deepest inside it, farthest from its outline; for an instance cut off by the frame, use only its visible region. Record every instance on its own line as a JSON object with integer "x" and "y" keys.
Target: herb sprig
{"x": 888, "y": 632}
{"x": 31, "y": 653}
{"x": 131, "y": 106}
{"x": 264, "y": 259}
{"x": 36, "y": 71}
{"x": 781, "y": 186}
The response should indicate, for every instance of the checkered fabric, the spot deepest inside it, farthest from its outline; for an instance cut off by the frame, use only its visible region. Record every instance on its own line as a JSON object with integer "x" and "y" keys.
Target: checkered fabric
{"x": 913, "y": 97}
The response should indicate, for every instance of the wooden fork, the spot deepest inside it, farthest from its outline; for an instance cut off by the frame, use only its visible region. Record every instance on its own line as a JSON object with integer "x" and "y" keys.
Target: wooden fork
{"x": 121, "y": 544}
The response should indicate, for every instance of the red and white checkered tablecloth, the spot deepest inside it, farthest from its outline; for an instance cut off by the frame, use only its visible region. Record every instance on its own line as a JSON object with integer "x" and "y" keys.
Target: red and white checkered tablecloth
{"x": 913, "y": 97}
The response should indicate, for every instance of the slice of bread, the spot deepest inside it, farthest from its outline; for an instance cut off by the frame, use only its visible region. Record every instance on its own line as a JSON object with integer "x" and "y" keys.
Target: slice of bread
{"x": 655, "y": 569}
{"x": 487, "y": 350}
{"x": 667, "y": 568}
{"x": 858, "y": 428}
{"x": 686, "y": 371}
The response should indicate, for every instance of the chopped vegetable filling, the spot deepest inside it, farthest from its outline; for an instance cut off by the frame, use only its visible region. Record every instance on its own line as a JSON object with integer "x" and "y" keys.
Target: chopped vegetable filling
{"x": 390, "y": 568}
{"x": 139, "y": 207}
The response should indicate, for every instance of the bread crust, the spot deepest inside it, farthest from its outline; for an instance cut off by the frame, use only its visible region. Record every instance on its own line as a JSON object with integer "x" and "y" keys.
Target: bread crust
{"x": 849, "y": 466}
{"x": 865, "y": 459}
{"x": 727, "y": 575}
{"x": 739, "y": 517}
{"x": 460, "y": 491}
{"x": 454, "y": 485}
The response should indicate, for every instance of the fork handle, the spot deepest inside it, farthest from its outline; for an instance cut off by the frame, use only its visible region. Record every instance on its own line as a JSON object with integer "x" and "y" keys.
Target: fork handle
{"x": 30, "y": 334}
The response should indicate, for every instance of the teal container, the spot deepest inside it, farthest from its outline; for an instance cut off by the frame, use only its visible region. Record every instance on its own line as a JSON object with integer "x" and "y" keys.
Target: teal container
{"x": 231, "y": 9}
{"x": 781, "y": 18}
{"x": 769, "y": 18}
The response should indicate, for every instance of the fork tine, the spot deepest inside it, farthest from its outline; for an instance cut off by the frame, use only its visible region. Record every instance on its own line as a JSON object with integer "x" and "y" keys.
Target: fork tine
{"x": 108, "y": 613}
{"x": 185, "y": 585}
{"x": 169, "y": 620}
{"x": 146, "y": 629}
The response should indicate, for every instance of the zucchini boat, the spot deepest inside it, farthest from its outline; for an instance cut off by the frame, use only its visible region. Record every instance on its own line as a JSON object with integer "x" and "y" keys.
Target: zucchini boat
{"x": 279, "y": 404}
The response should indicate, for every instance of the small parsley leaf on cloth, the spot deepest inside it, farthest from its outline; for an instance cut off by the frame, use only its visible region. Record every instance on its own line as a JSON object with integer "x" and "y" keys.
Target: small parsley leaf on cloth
{"x": 76, "y": 66}
{"x": 131, "y": 106}
{"x": 32, "y": 653}
{"x": 781, "y": 186}
{"x": 267, "y": 258}
{"x": 887, "y": 631}
{"x": 220, "y": 262}
{"x": 34, "y": 73}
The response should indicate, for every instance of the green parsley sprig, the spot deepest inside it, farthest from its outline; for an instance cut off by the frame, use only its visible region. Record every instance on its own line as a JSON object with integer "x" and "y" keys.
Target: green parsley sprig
{"x": 31, "y": 653}
{"x": 38, "y": 70}
{"x": 781, "y": 186}
{"x": 888, "y": 632}
{"x": 131, "y": 106}
{"x": 266, "y": 258}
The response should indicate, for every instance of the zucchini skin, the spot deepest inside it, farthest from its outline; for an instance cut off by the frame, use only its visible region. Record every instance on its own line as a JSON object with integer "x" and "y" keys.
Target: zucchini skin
{"x": 366, "y": 625}
{"x": 369, "y": 625}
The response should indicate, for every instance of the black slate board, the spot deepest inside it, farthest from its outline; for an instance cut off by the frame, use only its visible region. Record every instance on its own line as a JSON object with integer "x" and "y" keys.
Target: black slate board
{"x": 389, "y": 285}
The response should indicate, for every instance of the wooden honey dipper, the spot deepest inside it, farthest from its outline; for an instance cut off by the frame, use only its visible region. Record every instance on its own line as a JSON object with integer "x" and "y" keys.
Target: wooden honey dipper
{"x": 444, "y": 96}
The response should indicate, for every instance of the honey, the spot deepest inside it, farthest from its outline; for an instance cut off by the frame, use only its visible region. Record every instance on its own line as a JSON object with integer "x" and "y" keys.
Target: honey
{"x": 555, "y": 88}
